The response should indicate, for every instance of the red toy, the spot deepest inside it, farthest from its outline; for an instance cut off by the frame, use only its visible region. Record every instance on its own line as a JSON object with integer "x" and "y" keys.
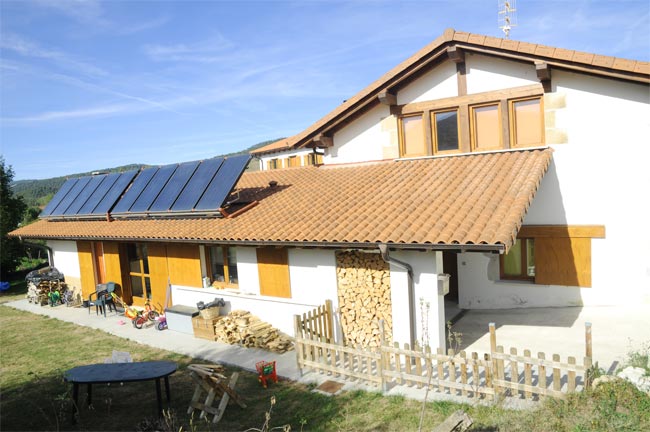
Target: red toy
{"x": 266, "y": 370}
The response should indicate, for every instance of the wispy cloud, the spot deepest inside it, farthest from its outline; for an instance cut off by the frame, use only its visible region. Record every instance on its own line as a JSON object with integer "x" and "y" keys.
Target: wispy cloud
{"x": 143, "y": 26}
{"x": 84, "y": 11}
{"x": 100, "y": 111}
{"x": 206, "y": 51}
{"x": 27, "y": 48}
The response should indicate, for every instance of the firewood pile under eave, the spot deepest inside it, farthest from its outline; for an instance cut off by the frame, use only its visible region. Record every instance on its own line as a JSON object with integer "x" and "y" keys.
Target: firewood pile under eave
{"x": 242, "y": 328}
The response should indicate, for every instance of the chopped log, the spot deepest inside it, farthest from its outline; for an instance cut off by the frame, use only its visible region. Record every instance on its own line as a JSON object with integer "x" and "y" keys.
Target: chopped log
{"x": 459, "y": 421}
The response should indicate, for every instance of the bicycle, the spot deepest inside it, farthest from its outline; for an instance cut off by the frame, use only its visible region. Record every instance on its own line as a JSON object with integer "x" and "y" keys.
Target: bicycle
{"x": 148, "y": 314}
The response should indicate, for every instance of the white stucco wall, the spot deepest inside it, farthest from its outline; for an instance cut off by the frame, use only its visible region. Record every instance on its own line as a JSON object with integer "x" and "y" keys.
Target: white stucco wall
{"x": 425, "y": 284}
{"x": 600, "y": 177}
{"x": 438, "y": 83}
{"x": 64, "y": 255}
{"x": 485, "y": 73}
{"x": 312, "y": 276}
{"x": 361, "y": 140}
{"x": 283, "y": 156}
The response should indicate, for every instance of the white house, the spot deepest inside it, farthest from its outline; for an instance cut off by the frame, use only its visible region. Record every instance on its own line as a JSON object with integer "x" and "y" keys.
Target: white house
{"x": 517, "y": 169}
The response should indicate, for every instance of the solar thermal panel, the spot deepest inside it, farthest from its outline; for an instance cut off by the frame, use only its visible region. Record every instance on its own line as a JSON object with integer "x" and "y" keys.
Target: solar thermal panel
{"x": 197, "y": 184}
{"x": 153, "y": 189}
{"x": 98, "y": 194}
{"x": 58, "y": 197}
{"x": 84, "y": 195}
{"x": 132, "y": 194}
{"x": 223, "y": 183}
{"x": 114, "y": 193}
{"x": 174, "y": 187}
{"x": 71, "y": 196}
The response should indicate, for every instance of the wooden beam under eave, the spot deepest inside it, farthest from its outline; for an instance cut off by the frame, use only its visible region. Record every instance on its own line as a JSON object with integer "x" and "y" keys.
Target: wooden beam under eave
{"x": 387, "y": 98}
{"x": 455, "y": 54}
{"x": 544, "y": 75}
{"x": 324, "y": 141}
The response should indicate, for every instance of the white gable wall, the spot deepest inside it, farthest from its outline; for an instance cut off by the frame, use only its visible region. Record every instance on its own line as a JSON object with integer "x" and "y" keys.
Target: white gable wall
{"x": 361, "y": 140}
{"x": 438, "y": 83}
{"x": 600, "y": 177}
{"x": 486, "y": 73}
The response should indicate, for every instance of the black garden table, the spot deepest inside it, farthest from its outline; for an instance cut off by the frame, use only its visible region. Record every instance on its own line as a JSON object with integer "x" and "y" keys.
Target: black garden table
{"x": 108, "y": 373}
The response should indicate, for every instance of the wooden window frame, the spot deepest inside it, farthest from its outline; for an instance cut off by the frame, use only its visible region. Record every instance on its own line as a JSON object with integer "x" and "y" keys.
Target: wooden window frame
{"x": 472, "y": 126}
{"x": 523, "y": 276}
{"x": 272, "y": 164}
{"x": 141, "y": 274}
{"x": 402, "y": 141}
{"x": 226, "y": 270}
{"x": 313, "y": 159}
{"x": 513, "y": 121}
{"x": 434, "y": 130}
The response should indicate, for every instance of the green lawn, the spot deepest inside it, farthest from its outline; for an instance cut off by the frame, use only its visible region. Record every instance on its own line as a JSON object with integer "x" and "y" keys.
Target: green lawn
{"x": 36, "y": 350}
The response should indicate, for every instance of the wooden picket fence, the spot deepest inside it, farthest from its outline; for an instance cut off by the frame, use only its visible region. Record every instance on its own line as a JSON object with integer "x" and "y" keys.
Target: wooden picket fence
{"x": 316, "y": 324}
{"x": 456, "y": 373}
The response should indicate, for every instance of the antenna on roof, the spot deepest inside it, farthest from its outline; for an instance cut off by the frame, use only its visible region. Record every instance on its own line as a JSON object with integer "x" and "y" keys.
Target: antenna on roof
{"x": 507, "y": 15}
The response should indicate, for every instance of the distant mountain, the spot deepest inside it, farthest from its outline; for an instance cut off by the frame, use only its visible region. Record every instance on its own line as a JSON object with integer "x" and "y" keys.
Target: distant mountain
{"x": 37, "y": 193}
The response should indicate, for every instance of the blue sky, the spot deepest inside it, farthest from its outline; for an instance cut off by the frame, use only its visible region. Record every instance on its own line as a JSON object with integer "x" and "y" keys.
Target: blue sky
{"x": 87, "y": 85}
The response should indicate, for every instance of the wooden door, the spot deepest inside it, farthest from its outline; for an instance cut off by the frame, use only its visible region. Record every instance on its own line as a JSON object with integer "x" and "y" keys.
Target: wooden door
{"x": 273, "y": 268}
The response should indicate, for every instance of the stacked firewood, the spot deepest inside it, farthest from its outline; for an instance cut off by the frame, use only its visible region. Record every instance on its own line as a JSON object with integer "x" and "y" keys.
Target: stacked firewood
{"x": 364, "y": 297}
{"x": 242, "y": 328}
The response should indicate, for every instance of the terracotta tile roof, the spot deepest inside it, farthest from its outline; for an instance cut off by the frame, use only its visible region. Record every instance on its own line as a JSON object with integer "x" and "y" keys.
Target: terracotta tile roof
{"x": 278, "y": 145}
{"x": 474, "y": 199}
{"x": 556, "y": 57}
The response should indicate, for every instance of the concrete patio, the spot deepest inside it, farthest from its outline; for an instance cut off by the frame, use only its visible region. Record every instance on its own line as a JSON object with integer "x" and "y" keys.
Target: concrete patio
{"x": 615, "y": 330}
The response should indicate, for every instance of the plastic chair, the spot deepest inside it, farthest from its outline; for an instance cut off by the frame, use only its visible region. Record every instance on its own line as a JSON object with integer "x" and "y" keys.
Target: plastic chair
{"x": 103, "y": 298}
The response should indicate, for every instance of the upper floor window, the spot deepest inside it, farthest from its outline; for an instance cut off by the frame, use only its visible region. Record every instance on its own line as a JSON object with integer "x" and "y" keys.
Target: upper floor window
{"x": 223, "y": 265}
{"x": 293, "y": 161}
{"x": 526, "y": 125}
{"x": 273, "y": 164}
{"x": 313, "y": 159}
{"x": 413, "y": 142}
{"x": 445, "y": 131}
{"x": 486, "y": 127}
{"x": 494, "y": 120}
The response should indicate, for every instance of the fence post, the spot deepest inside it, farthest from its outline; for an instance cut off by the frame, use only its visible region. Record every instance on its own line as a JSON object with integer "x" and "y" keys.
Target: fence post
{"x": 382, "y": 354}
{"x": 329, "y": 320}
{"x": 588, "y": 345}
{"x": 297, "y": 329}
{"x": 493, "y": 349}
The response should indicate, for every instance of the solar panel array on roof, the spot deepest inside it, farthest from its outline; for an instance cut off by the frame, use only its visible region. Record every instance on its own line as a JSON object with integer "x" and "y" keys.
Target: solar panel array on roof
{"x": 191, "y": 187}
{"x": 56, "y": 199}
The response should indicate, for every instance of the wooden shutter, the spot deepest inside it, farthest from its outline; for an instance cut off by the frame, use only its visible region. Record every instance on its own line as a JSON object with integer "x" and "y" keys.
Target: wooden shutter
{"x": 563, "y": 261}
{"x": 112, "y": 262}
{"x": 158, "y": 273}
{"x": 184, "y": 261}
{"x": 486, "y": 127}
{"x": 273, "y": 268}
{"x": 86, "y": 268}
{"x": 413, "y": 139}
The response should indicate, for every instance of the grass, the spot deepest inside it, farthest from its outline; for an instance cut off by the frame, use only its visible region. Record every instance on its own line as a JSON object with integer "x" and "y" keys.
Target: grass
{"x": 37, "y": 350}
